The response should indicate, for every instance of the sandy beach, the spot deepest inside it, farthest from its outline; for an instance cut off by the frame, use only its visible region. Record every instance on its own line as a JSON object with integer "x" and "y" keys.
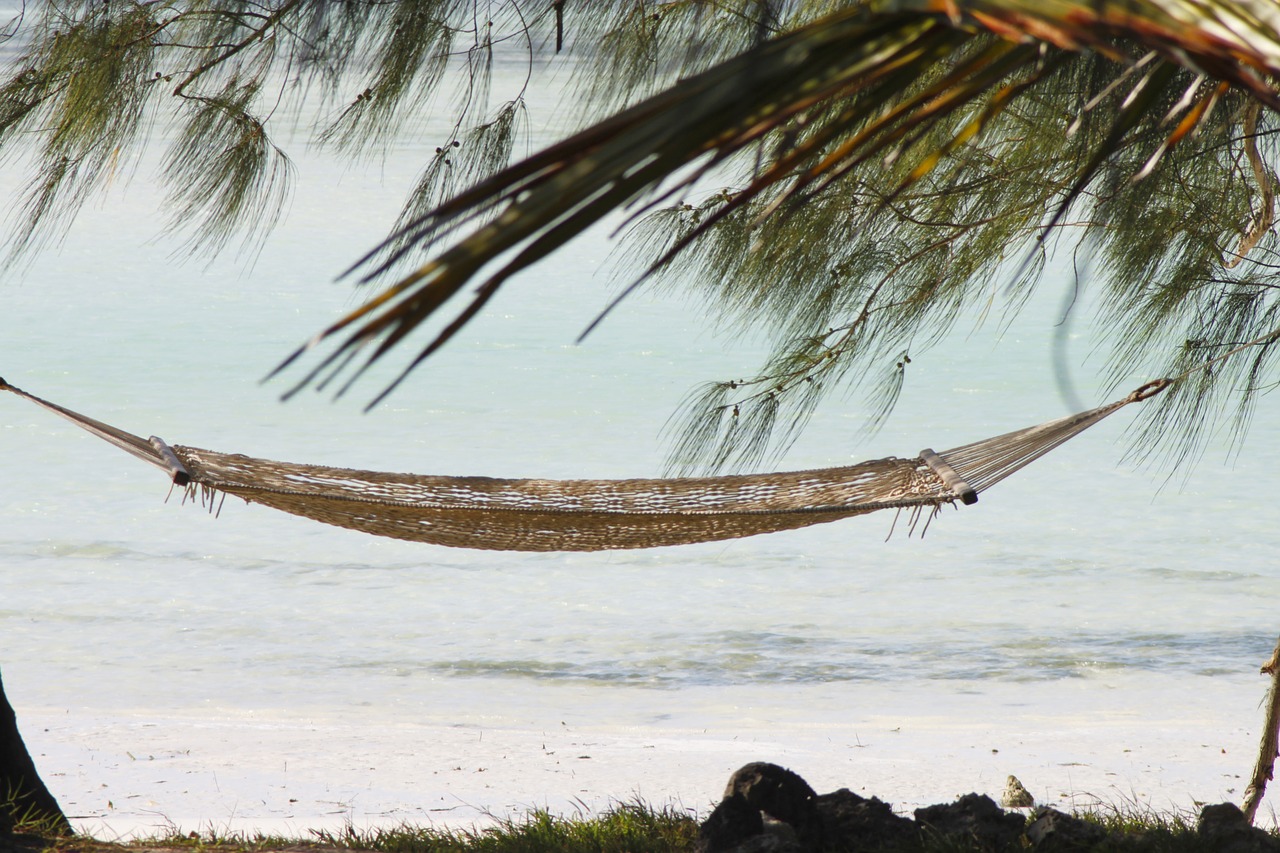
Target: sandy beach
{"x": 131, "y": 775}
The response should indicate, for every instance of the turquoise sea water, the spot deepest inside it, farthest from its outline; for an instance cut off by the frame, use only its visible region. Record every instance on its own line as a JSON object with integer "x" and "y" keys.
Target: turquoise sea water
{"x": 1083, "y": 587}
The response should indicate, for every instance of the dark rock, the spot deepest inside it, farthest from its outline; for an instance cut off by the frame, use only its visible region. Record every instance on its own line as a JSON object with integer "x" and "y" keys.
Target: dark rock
{"x": 783, "y": 837}
{"x": 776, "y": 791}
{"x": 729, "y": 825}
{"x": 768, "y": 843}
{"x": 856, "y": 823}
{"x": 782, "y": 795}
{"x": 1227, "y": 830}
{"x": 1052, "y": 831}
{"x": 975, "y": 818}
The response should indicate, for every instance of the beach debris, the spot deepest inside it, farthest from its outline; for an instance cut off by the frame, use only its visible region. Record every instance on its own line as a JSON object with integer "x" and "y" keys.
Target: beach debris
{"x": 1016, "y": 795}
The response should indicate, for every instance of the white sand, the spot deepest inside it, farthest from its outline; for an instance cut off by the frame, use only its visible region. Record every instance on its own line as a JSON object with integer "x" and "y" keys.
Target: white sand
{"x": 142, "y": 774}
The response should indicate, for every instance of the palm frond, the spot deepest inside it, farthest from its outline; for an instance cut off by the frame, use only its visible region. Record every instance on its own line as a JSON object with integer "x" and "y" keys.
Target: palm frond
{"x": 894, "y": 87}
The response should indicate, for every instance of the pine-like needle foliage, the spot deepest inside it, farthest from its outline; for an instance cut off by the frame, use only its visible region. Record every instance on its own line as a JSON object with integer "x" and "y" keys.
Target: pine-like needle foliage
{"x": 850, "y": 175}
{"x": 882, "y": 167}
{"x": 89, "y": 84}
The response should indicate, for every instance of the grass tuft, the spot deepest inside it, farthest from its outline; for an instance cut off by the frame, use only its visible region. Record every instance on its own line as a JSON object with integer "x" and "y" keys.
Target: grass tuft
{"x": 627, "y": 828}
{"x": 17, "y": 817}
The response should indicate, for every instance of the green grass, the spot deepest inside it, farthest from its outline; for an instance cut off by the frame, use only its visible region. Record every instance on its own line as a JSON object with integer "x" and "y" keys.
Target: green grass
{"x": 28, "y": 820}
{"x": 627, "y": 828}
{"x": 624, "y": 829}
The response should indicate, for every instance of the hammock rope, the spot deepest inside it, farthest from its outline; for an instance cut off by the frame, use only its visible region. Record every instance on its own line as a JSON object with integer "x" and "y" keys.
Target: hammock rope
{"x": 596, "y": 515}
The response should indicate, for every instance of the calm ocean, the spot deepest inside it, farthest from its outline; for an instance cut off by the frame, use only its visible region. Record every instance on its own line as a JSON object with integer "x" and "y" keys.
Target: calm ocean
{"x": 1080, "y": 589}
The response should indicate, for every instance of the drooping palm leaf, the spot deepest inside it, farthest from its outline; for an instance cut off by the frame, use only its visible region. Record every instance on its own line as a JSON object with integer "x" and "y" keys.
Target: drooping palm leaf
{"x": 873, "y": 85}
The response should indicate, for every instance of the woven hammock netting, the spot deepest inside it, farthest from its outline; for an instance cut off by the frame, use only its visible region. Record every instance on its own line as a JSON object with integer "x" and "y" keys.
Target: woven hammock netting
{"x": 597, "y": 515}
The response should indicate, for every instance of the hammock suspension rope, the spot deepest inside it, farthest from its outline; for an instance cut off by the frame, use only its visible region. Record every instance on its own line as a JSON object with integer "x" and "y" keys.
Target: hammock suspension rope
{"x": 596, "y": 515}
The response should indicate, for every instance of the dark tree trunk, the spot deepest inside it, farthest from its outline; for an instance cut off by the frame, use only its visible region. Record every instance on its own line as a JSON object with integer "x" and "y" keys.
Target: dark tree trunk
{"x": 23, "y": 796}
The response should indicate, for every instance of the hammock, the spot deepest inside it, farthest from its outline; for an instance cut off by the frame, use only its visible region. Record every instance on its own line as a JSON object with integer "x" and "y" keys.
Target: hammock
{"x": 598, "y": 515}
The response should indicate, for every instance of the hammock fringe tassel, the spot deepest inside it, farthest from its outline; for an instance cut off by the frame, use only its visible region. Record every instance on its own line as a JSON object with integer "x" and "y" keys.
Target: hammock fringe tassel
{"x": 597, "y": 515}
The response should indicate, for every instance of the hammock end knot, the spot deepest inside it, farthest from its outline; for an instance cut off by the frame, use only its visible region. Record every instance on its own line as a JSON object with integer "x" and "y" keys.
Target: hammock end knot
{"x": 170, "y": 461}
{"x": 1149, "y": 390}
{"x": 960, "y": 490}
